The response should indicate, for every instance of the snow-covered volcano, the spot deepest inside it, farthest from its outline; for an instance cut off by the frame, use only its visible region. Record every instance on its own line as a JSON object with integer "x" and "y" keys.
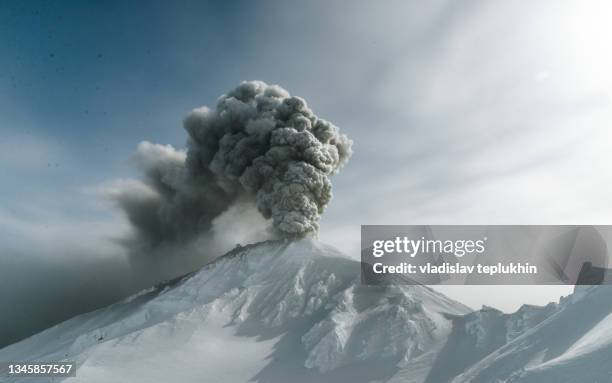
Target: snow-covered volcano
{"x": 271, "y": 312}
{"x": 297, "y": 312}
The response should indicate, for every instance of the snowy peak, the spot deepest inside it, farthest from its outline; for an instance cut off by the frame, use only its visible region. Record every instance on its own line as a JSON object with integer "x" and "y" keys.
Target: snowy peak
{"x": 295, "y": 310}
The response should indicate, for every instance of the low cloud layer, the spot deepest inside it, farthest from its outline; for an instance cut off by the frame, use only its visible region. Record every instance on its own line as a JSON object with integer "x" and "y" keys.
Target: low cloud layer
{"x": 259, "y": 146}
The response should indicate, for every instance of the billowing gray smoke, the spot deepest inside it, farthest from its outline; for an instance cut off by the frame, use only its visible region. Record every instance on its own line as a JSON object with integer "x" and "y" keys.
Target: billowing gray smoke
{"x": 259, "y": 145}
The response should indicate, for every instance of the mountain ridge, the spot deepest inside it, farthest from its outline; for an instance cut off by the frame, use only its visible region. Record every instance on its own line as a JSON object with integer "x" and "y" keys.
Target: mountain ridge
{"x": 297, "y": 311}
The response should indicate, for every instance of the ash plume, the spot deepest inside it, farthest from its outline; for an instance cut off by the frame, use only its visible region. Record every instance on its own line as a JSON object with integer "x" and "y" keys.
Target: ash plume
{"x": 258, "y": 146}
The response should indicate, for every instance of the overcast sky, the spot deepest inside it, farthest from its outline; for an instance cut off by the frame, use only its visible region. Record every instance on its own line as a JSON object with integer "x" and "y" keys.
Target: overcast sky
{"x": 462, "y": 112}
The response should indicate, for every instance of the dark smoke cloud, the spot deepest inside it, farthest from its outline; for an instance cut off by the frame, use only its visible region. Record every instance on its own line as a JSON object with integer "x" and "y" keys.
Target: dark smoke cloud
{"x": 259, "y": 146}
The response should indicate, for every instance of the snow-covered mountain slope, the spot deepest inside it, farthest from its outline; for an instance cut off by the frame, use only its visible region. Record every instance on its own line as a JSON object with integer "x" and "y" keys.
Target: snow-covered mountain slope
{"x": 572, "y": 345}
{"x": 271, "y": 312}
{"x": 297, "y": 312}
{"x": 479, "y": 333}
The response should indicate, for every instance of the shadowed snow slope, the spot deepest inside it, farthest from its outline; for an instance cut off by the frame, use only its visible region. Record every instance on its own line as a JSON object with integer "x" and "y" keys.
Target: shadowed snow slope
{"x": 270, "y": 312}
{"x": 479, "y": 333}
{"x": 572, "y": 345}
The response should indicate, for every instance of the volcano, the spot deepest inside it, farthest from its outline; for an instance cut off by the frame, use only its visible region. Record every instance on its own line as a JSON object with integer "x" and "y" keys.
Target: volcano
{"x": 296, "y": 311}
{"x": 270, "y": 312}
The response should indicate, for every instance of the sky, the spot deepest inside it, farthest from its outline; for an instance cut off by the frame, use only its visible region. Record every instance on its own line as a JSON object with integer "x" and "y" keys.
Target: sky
{"x": 461, "y": 113}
